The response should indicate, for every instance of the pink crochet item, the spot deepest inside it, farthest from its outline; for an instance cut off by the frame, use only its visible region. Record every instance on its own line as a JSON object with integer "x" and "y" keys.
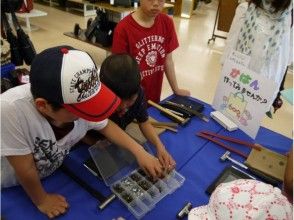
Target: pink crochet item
{"x": 244, "y": 199}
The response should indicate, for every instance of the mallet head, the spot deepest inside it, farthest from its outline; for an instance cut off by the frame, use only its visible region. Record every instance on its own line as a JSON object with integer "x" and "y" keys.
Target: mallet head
{"x": 225, "y": 156}
{"x": 184, "y": 211}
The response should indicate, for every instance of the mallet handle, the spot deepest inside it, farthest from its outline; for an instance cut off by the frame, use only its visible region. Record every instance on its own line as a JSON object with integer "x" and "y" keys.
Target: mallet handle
{"x": 166, "y": 111}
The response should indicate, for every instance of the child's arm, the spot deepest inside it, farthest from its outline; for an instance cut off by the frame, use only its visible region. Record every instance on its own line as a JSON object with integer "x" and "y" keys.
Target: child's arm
{"x": 147, "y": 162}
{"x": 164, "y": 157}
{"x": 171, "y": 76}
{"x": 25, "y": 169}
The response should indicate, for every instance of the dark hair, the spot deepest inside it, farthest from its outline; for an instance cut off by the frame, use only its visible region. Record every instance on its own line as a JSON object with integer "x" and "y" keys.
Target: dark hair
{"x": 278, "y": 5}
{"x": 121, "y": 74}
{"x": 55, "y": 106}
{"x": 9, "y": 6}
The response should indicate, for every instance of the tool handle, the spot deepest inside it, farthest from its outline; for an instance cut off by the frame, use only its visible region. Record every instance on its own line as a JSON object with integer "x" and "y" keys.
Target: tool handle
{"x": 101, "y": 198}
{"x": 169, "y": 124}
{"x": 167, "y": 128}
{"x": 233, "y": 140}
{"x": 166, "y": 111}
{"x": 200, "y": 134}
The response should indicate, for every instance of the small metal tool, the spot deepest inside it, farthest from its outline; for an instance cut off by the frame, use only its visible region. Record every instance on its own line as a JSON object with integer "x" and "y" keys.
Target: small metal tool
{"x": 190, "y": 110}
{"x": 244, "y": 172}
{"x": 103, "y": 204}
{"x": 226, "y": 156}
{"x": 184, "y": 211}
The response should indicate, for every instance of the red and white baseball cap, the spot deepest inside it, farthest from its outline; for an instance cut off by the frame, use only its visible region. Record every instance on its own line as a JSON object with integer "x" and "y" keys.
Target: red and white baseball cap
{"x": 70, "y": 77}
{"x": 244, "y": 199}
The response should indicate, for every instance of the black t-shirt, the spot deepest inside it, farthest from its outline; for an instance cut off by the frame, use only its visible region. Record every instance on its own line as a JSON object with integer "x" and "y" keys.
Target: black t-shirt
{"x": 137, "y": 111}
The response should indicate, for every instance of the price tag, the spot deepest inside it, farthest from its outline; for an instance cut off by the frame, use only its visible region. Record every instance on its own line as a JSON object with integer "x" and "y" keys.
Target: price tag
{"x": 239, "y": 58}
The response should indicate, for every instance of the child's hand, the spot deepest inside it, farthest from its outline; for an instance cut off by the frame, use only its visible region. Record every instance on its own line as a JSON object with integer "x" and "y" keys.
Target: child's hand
{"x": 165, "y": 159}
{"x": 53, "y": 205}
{"x": 150, "y": 165}
{"x": 182, "y": 92}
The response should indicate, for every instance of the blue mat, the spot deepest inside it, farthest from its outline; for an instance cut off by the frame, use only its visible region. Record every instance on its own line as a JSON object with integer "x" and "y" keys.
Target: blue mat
{"x": 197, "y": 160}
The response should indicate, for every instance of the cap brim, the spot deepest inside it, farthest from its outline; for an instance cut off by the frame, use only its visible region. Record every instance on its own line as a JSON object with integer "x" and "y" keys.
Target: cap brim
{"x": 199, "y": 213}
{"x": 98, "y": 108}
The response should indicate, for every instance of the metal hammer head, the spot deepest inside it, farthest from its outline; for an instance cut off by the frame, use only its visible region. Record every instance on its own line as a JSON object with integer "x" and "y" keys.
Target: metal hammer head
{"x": 184, "y": 211}
{"x": 225, "y": 156}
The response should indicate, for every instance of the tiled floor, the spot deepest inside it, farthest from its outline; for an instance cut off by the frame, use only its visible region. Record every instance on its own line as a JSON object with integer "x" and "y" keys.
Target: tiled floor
{"x": 197, "y": 64}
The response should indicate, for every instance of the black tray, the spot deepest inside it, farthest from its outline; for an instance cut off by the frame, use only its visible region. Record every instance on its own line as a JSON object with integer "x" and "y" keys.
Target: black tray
{"x": 227, "y": 175}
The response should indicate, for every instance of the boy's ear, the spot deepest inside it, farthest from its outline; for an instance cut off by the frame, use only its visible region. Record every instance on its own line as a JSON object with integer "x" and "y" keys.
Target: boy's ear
{"x": 41, "y": 104}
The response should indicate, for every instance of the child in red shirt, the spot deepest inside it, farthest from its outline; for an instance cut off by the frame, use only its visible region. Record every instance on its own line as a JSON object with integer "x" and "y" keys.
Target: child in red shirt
{"x": 149, "y": 36}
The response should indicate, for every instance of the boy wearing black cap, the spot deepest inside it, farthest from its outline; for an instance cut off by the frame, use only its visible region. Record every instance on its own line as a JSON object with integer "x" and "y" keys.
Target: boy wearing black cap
{"x": 41, "y": 121}
{"x": 121, "y": 74}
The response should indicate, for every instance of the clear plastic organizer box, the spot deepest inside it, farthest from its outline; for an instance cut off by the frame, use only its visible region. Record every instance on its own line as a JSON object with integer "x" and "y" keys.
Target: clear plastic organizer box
{"x": 132, "y": 186}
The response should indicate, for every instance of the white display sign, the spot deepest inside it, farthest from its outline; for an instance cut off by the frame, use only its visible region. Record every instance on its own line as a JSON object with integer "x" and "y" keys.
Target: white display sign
{"x": 243, "y": 95}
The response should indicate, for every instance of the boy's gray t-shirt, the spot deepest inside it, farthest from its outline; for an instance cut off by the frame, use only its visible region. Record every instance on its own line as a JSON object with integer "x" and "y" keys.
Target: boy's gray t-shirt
{"x": 25, "y": 131}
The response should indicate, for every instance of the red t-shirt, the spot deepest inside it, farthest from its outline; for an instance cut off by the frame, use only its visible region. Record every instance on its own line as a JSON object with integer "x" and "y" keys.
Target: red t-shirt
{"x": 149, "y": 46}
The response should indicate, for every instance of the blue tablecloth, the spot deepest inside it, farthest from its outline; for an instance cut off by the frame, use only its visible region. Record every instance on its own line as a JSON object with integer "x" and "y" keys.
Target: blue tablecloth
{"x": 197, "y": 160}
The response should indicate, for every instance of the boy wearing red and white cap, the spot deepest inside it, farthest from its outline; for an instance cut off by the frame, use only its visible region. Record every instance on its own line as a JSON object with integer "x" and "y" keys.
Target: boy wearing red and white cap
{"x": 42, "y": 120}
